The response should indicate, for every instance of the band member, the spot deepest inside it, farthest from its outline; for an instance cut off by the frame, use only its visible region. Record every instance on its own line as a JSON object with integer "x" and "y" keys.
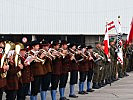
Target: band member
{"x": 65, "y": 69}
{"x": 3, "y": 69}
{"x": 46, "y": 79}
{"x": 91, "y": 65}
{"x": 27, "y": 76}
{"x": 56, "y": 68}
{"x": 83, "y": 69}
{"x": 37, "y": 69}
{"x": 73, "y": 70}
{"x": 14, "y": 81}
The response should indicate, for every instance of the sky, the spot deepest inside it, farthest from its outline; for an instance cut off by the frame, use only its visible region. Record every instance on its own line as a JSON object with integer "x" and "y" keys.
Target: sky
{"x": 63, "y": 16}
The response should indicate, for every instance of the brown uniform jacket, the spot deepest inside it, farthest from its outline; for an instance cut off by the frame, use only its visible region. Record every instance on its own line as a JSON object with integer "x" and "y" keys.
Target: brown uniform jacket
{"x": 13, "y": 81}
{"x": 66, "y": 64}
{"x": 27, "y": 75}
{"x": 74, "y": 65}
{"x": 2, "y": 80}
{"x": 57, "y": 66}
{"x": 36, "y": 67}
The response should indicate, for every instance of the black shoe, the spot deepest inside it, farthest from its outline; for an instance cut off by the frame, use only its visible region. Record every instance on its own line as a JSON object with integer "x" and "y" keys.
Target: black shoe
{"x": 73, "y": 96}
{"x": 107, "y": 81}
{"x": 125, "y": 74}
{"x": 100, "y": 85}
{"x": 63, "y": 98}
{"x": 103, "y": 83}
{"x": 95, "y": 86}
{"x": 90, "y": 90}
{"x": 85, "y": 92}
{"x": 81, "y": 92}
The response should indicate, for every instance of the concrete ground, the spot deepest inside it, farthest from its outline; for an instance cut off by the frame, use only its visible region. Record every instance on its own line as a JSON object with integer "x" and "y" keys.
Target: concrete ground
{"x": 119, "y": 90}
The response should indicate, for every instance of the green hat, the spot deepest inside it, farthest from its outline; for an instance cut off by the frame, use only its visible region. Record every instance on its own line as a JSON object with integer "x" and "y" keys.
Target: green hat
{"x": 111, "y": 40}
{"x": 97, "y": 42}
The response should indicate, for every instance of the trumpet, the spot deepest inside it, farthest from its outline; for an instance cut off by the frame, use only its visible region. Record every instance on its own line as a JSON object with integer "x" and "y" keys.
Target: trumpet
{"x": 75, "y": 52}
{"x": 47, "y": 54}
{"x": 58, "y": 53}
{"x": 37, "y": 58}
{"x": 83, "y": 55}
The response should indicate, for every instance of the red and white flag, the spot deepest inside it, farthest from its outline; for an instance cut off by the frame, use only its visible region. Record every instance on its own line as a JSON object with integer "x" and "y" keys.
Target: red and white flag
{"x": 130, "y": 35}
{"x": 109, "y": 27}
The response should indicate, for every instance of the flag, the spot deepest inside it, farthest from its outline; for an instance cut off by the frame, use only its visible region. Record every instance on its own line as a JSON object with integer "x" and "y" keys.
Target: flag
{"x": 119, "y": 44}
{"x": 109, "y": 27}
{"x": 130, "y": 35}
{"x": 106, "y": 43}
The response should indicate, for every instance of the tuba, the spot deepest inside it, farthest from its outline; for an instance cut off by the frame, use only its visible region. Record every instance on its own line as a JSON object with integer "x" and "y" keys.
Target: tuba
{"x": 8, "y": 46}
{"x": 18, "y": 47}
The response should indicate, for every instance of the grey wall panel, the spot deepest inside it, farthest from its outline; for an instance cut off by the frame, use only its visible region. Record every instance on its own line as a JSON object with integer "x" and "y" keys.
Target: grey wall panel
{"x": 62, "y": 16}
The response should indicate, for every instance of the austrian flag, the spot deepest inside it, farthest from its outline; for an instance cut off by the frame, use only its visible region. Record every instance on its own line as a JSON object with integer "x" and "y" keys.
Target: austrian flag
{"x": 111, "y": 25}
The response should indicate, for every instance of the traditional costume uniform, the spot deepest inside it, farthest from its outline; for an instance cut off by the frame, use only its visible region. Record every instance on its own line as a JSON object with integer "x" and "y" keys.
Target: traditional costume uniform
{"x": 27, "y": 77}
{"x": 74, "y": 67}
{"x": 56, "y": 71}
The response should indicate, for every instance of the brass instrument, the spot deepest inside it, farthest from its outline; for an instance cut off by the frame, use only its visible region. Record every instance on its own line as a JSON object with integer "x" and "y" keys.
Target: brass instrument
{"x": 37, "y": 58}
{"x": 47, "y": 54}
{"x": 58, "y": 53}
{"x": 18, "y": 47}
{"x": 83, "y": 55}
{"x": 72, "y": 54}
{"x": 8, "y": 46}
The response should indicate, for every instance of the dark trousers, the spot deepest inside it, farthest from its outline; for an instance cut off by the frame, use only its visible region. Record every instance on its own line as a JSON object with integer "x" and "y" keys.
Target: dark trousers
{"x": 63, "y": 80}
{"x": 73, "y": 77}
{"x": 54, "y": 81}
{"x": 23, "y": 91}
{"x": 1, "y": 93}
{"x": 82, "y": 76}
{"x": 35, "y": 85}
{"x": 89, "y": 75}
{"x": 11, "y": 94}
{"x": 45, "y": 82}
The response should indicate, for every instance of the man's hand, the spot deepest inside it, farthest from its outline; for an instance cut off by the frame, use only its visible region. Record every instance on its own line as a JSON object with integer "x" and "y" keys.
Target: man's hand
{"x": 6, "y": 67}
{"x": 20, "y": 66}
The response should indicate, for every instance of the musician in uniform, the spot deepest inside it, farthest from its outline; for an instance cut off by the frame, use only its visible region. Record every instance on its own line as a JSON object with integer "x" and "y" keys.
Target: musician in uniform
{"x": 36, "y": 68}
{"x": 83, "y": 68}
{"x": 46, "y": 78}
{"x": 56, "y": 68}
{"x": 27, "y": 75}
{"x": 3, "y": 69}
{"x": 73, "y": 70}
{"x": 91, "y": 66}
{"x": 65, "y": 69}
{"x": 14, "y": 81}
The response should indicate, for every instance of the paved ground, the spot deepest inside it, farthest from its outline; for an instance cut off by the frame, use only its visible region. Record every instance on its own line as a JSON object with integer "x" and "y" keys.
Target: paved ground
{"x": 120, "y": 90}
